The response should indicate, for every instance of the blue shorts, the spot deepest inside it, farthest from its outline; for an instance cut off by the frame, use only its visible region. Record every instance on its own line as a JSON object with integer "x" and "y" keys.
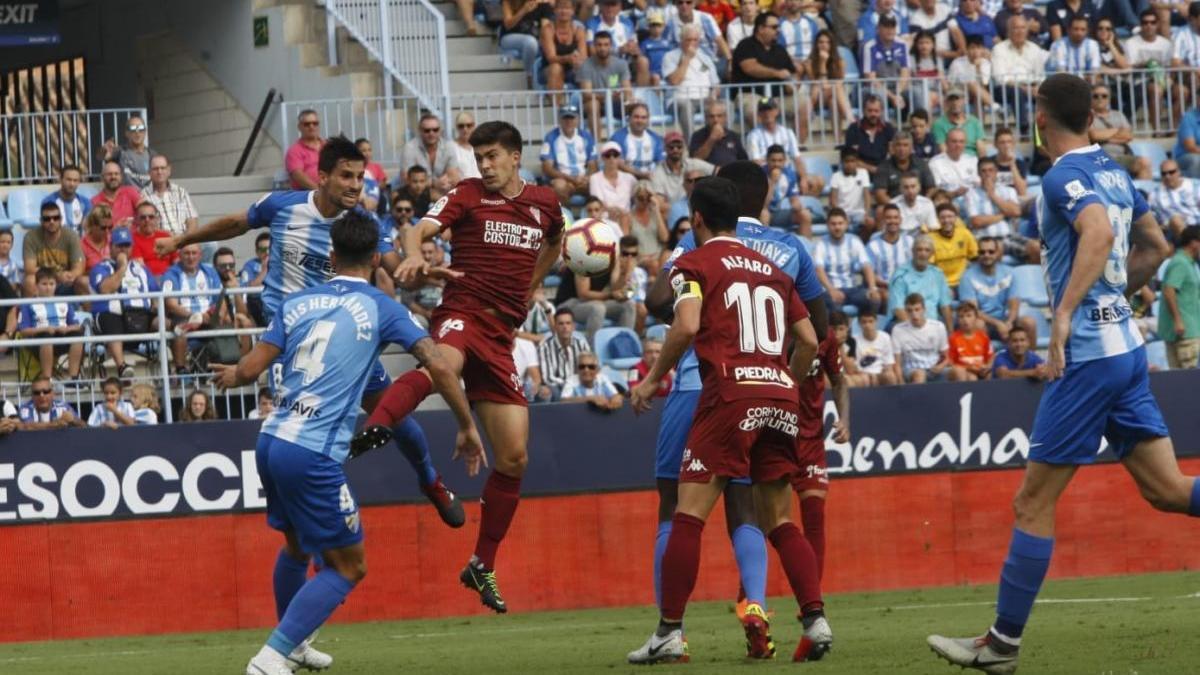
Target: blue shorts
{"x": 377, "y": 380}
{"x": 1107, "y": 398}
{"x": 673, "y": 429}
{"x": 307, "y": 493}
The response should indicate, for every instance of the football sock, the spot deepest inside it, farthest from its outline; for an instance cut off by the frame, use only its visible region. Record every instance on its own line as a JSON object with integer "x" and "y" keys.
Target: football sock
{"x": 666, "y": 627}
{"x": 812, "y": 516}
{"x": 799, "y": 564}
{"x": 681, "y": 564}
{"x": 1194, "y": 504}
{"x": 750, "y": 550}
{"x": 309, "y": 609}
{"x": 660, "y": 547}
{"x": 290, "y": 575}
{"x": 400, "y": 399}
{"x": 498, "y": 504}
{"x": 410, "y": 438}
{"x": 1020, "y": 580}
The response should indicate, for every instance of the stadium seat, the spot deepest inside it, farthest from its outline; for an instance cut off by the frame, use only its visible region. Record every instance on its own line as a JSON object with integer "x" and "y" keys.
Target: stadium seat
{"x": 657, "y": 332}
{"x": 5, "y": 223}
{"x": 86, "y": 191}
{"x": 604, "y": 336}
{"x": 1151, "y": 151}
{"x": 814, "y": 207}
{"x": 1030, "y": 285}
{"x": 653, "y": 100}
{"x": 850, "y": 311}
{"x": 1043, "y": 324}
{"x": 850, "y": 61}
{"x": 18, "y": 241}
{"x": 1145, "y": 186}
{"x": 1156, "y": 355}
{"x": 820, "y": 166}
{"x": 552, "y": 281}
{"x": 818, "y": 230}
{"x": 24, "y": 206}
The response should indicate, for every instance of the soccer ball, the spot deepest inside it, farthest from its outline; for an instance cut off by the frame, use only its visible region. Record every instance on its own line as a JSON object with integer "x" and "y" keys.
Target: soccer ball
{"x": 589, "y": 247}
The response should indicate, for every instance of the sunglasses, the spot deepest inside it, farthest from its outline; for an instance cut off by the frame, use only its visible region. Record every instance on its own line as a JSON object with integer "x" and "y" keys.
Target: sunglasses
{"x": 466, "y": 125}
{"x": 587, "y": 366}
{"x": 675, "y": 146}
{"x": 404, "y": 209}
{"x": 51, "y": 219}
{"x": 147, "y": 216}
{"x": 772, "y": 26}
{"x": 1149, "y": 22}
{"x": 431, "y": 131}
{"x": 226, "y": 266}
{"x": 102, "y": 227}
{"x": 42, "y": 392}
{"x": 313, "y": 123}
{"x": 139, "y": 127}
{"x": 1171, "y": 172}
{"x": 263, "y": 249}
{"x": 1096, "y": 96}
{"x": 629, "y": 254}
{"x": 610, "y": 155}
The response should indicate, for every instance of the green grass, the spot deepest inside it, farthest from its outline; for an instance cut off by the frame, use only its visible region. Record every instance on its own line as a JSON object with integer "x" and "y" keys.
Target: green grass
{"x": 1124, "y": 625}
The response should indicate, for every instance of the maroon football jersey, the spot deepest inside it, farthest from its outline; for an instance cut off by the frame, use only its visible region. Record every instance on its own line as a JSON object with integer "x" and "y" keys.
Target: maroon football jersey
{"x": 496, "y": 242}
{"x": 747, "y": 309}
{"x": 812, "y": 389}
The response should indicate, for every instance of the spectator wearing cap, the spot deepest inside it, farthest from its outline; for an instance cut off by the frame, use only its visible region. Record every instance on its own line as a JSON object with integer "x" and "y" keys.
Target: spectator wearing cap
{"x": 123, "y": 274}
{"x": 955, "y": 171}
{"x": 612, "y": 186}
{"x": 922, "y": 277}
{"x": 568, "y": 155}
{"x": 716, "y": 142}
{"x": 122, "y": 200}
{"x": 957, "y": 117}
{"x": 72, "y": 207}
{"x": 837, "y": 258}
{"x": 624, "y": 38}
{"x": 954, "y": 247}
{"x": 145, "y": 234}
{"x": 429, "y": 149}
{"x": 761, "y": 61}
{"x": 885, "y": 61}
{"x": 605, "y": 81}
{"x": 668, "y": 178}
{"x": 692, "y": 73}
{"x": 44, "y": 410}
{"x": 973, "y": 72}
{"x": 1018, "y": 66}
{"x": 173, "y": 202}
{"x": 656, "y": 45}
{"x": 641, "y": 148}
{"x": 1075, "y": 52}
{"x": 1179, "y": 317}
{"x": 770, "y": 132}
{"x": 558, "y": 354}
{"x": 134, "y": 156}
{"x": 301, "y": 158}
{"x": 56, "y": 248}
{"x": 1176, "y": 201}
{"x": 871, "y": 135}
{"x": 868, "y": 23}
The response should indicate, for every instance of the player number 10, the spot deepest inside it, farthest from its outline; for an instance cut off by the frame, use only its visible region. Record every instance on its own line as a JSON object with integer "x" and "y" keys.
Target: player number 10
{"x": 760, "y": 317}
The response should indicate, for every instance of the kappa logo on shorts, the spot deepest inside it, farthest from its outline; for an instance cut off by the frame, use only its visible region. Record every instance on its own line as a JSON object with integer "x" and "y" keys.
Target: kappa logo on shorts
{"x": 690, "y": 465}
{"x": 449, "y": 325}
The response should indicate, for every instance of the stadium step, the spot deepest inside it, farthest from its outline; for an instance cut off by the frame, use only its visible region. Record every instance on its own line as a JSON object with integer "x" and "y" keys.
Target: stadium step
{"x": 481, "y": 62}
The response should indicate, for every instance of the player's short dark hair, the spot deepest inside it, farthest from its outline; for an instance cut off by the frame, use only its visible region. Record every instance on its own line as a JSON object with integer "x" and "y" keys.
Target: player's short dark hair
{"x": 750, "y": 181}
{"x": 966, "y": 306}
{"x": 1017, "y": 329}
{"x": 836, "y": 211}
{"x": 355, "y": 238}
{"x": 919, "y": 114}
{"x": 891, "y": 207}
{"x": 416, "y": 168}
{"x": 70, "y": 167}
{"x": 1067, "y": 100}
{"x": 914, "y": 299}
{"x": 628, "y": 240}
{"x": 1077, "y": 17}
{"x": 975, "y": 40}
{"x": 591, "y": 199}
{"x": 499, "y": 132}
{"x": 50, "y": 206}
{"x": 838, "y": 318}
{"x": 635, "y": 105}
{"x": 1190, "y": 233}
{"x": 776, "y": 149}
{"x": 262, "y": 236}
{"x": 337, "y": 149}
{"x": 1148, "y": 13}
{"x": 564, "y": 310}
{"x": 114, "y": 381}
{"x": 44, "y": 273}
{"x": 871, "y": 98}
{"x": 224, "y": 250}
{"x": 718, "y": 200}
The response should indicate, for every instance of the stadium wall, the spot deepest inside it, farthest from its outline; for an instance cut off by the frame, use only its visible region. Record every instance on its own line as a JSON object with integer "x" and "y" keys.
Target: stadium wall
{"x": 154, "y": 530}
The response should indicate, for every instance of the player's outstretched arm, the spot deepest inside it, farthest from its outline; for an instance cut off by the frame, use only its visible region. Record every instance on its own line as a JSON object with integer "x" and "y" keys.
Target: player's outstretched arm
{"x": 414, "y": 264}
{"x": 805, "y": 350}
{"x": 683, "y": 330}
{"x": 1148, "y": 248}
{"x": 221, "y": 229}
{"x": 248, "y": 368}
{"x": 446, "y": 382}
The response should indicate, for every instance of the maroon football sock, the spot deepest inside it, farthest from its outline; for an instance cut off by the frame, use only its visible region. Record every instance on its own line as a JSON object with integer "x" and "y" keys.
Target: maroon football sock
{"x": 680, "y": 564}
{"x": 799, "y": 563}
{"x": 401, "y": 399}
{"x": 499, "y": 500}
{"x": 812, "y": 515}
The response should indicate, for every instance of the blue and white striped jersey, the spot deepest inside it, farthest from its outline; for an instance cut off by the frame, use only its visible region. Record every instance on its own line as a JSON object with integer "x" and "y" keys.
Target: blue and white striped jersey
{"x": 978, "y": 203}
{"x": 569, "y": 154}
{"x": 51, "y": 314}
{"x": 100, "y": 415}
{"x": 1077, "y": 59}
{"x": 1101, "y": 325}
{"x": 205, "y": 278}
{"x": 73, "y": 211}
{"x": 11, "y": 269}
{"x": 798, "y": 36}
{"x": 622, "y": 30}
{"x": 137, "y": 279}
{"x": 1185, "y": 46}
{"x": 1183, "y": 201}
{"x": 841, "y": 259}
{"x": 29, "y": 413}
{"x": 643, "y": 152}
{"x": 759, "y": 139}
{"x": 784, "y": 251}
{"x": 331, "y": 336}
{"x": 783, "y": 190}
{"x": 888, "y": 257}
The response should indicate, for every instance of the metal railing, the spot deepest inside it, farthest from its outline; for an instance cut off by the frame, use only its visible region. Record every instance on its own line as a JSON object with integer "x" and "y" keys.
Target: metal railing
{"x": 161, "y": 337}
{"x": 36, "y": 145}
{"x": 407, "y": 37}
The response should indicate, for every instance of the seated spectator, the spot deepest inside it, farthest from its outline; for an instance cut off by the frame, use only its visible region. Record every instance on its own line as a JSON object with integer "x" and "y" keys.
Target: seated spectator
{"x": 637, "y": 279}
{"x": 1176, "y": 201}
{"x": 429, "y": 150}
{"x": 1061, "y": 13}
{"x": 520, "y": 32}
{"x": 641, "y": 148}
{"x": 53, "y": 247}
{"x": 146, "y": 407}
{"x": 927, "y": 72}
{"x": 612, "y": 186}
{"x": 1018, "y": 360}
{"x": 145, "y": 234}
{"x": 558, "y": 355}
{"x": 525, "y": 362}
{"x": 743, "y": 26}
{"x": 1179, "y": 318}
{"x": 564, "y": 48}
{"x": 850, "y": 191}
{"x": 825, "y": 69}
{"x": 954, "y": 247}
{"x": 988, "y": 284}
{"x": 957, "y": 118}
{"x": 886, "y": 58}
{"x": 416, "y": 191}
{"x": 623, "y": 36}
{"x": 1039, "y": 30}
{"x": 134, "y": 156}
{"x": 568, "y": 155}
{"x": 590, "y": 385}
{"x": 375, "y": 178}
{"x": 970, "y": 348}
{"x": 594, "y": 299}
{"x": 72, "y": 207}
{"x": 973, "y": 72}
{"x": 97, "y": 231}
{"x": 651, "y": 349}
{"x": 874, "y": 355}
{"x": 711, "y": 41}
{"x": 648, "y": 226}
{"x": 1012, "y": 169}
{"x": 693, "y": 74}
{"x": 52, "y": 319}
{"x": 871, "y": 135}
{"x": 920, "y": 277}
{"x": 187, "y": 313}
{"x": 669, "y": 177}
{"x": 266, "y": 405}
{"x": 836, "y": 259}
{"x": 254, "y": 273}
{"x": 10, "y": 421}
{"x": 115, "y": 411}
{"x": 464, "y": 152}
{"x": 44, "y": 410}
{"x": 199, "y": 408}
{"x": 924, "y": 146}
{"x": 760, "y": 60}
{"x": 426, "y": 297}
{"x": 847, "y": 346}
{"x": 123, "y": 274}
{"x": 1112, "y": 54}
{"x": 784, "y": 208}
{"x": 917, "y": 212}
{"x": 922, "y": 346}
{"x": 972, "y": 21}
{"x": 1075, "y": 52}
{"x": 770, "y": 132}
{"x": 605, "y": 82}
{"x": 121, "y": 199}
{"x": 993, "y": 210}
{"x": 231, "y": 312}
{"x": 1146, "y": 48}
{"x": 797, "y": 31}
{"x": 539, "y": 322}
{"x": 301, "y": 158}
{"x": 655, "y": 46}
{"x": 869, "y": 21}
{"x": 1112, "y": 130}
{"x": 10, "y": 267}
{"x": 715, "y": 142}
{"x": 955, "y": 171}
{"x": 889, "y": 250}
{"x": 935, "y": 18}
{"x": 402, "y": 215}
{"x": 1018, "y": 66}
{"x": 173, "y": 202}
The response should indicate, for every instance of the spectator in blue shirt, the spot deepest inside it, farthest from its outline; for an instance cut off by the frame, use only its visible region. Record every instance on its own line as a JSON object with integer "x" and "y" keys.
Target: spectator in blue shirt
{"x": 188, "y": 313}
{"x": 52, "y": 318}
{"x": 590, "y": 385}
{"x": 10, "y": 267}
{"x": 568, "y": 155}
{"x": 120, "y": 274}
{"x": 868, "y": 23}
{"x": 1187, "y": 144}
{"x": 989, "y": 284}
{"x": 919, "y": 276}
{"x": 971, "y": 20}
{"x": 44, "y": 410}
{"x": 1019, "y": 361}
{"x": 655, "y": 45}
{"x": 254, "y": 272}
{"x": 886, "y": 58}
{"x": 641, "y": 148}
{"x": 73, "y": 207}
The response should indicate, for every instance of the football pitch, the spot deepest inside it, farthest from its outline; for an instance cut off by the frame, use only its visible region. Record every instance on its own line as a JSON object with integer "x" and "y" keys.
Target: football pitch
{"x": 1113, "y": 626}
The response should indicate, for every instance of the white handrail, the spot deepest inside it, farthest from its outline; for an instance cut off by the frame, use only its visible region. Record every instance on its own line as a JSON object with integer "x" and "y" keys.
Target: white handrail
{"x": 35, "y": 145}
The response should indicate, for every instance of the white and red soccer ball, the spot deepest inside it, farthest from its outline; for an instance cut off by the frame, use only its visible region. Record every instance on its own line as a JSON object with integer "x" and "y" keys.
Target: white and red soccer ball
{"x": 590, "y": 246}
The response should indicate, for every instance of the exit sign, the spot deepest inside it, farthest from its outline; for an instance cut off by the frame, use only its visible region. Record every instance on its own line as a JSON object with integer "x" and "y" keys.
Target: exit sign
{"x": 262, "y": 34}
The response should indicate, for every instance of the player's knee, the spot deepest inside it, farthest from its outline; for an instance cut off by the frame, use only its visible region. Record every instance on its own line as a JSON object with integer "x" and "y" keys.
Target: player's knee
{"x": 512, "y": 463}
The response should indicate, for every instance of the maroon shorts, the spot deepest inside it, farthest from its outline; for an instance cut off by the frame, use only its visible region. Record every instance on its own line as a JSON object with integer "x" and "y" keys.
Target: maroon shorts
{"x": 810, "y": 455}
{"x": 747, "y": 437}
{"x": 486, "y": 343}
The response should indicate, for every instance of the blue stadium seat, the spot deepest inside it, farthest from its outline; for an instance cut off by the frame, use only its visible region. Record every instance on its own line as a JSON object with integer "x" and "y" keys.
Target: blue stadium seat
{"x": 24, "y": 206}
{"x": 850, "y": 61}
{"x": 1162, "y": 272}
{"x": 855, "y": 329}
{"x": 657, "y": 332}
{"x": 1030, "y": 285}
{"x": 1146, "y": 186}
{"x": 814, "y": 206}
{"x": 86, "y": 191}
{"x": 1043, "y": 324}
{"x": 604, "y": 336}
{"x": 653, "y": 100}
{"x": 5, "y": 223}
{"x": 552, "y": 281}
{"x": 18, "y": 242}
{"x": 820, "y": 166}
{"x": 850, "y": 311}
{"x": 818, "y": 230}
{"x": 1151, "y": 151}
{"x": 1156, "y": 355}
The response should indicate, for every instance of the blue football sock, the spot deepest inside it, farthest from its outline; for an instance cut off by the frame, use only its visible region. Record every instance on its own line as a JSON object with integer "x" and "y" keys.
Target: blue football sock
{"x": 1020, "y": 580}
{"x": 1194, "y": 504}
{"x": 750, "y": 550}
{"x": 290, "y": 575}
{"x": 410, "y": 438}
{"x": 660, "y": 547}
{"x": 309, "y": 609}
